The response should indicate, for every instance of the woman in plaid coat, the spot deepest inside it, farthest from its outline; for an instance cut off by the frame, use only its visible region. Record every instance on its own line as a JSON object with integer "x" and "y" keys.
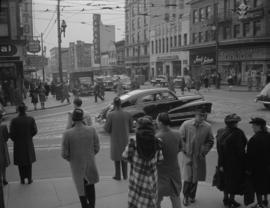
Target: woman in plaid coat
{"x": 143, "y": 154}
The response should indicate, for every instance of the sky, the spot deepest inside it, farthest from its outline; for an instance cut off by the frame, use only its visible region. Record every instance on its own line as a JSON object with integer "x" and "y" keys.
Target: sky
{"x": 78, "y": 17}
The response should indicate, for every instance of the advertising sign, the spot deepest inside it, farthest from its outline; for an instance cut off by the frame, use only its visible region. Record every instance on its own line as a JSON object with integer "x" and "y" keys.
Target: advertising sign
{"x": 36, "y": 61}
{"x": 96, "y": 38}
{"x": 203, "y": 59}
{"x": 33, "y": 46}
{"x": 7, "y": 49}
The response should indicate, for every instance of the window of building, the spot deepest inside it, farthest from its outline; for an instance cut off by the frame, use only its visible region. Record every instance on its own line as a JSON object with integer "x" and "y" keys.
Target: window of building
{"x": 171, "y": 42}
{"x": 138, "y": 22}
{"x": 194, "y": 37}
{"x": 145, "y": 50}
{"x": 257, "y": 27}
{"x": 163, "y": 45}
{"x": 159, "y": 45}
{"x": 134, "y": 51}
{"x": 145, "y": 35}
{"x": 195, "y": 16}
{"x": 156, "y": 46}
{"x": 175, "y": 41}
{"x": 226, "y": 32}
{"x": 179, "y": 40}
{"x": 246, "y": 29}
{"x": 236, "y": 31}
{"x": 152, "y": 47}
{"x": 127, "y": 52}
{"x": 167, "y": 44}
{"x": 4, "y": 21}
{"x": 127, "y": 39}
{"x": 206, "y": 39}
{"x": 138, "y": 36}
{"x": 133, "y": 38}
{"x": 237, "y": 4}
{"x": 144, "y": 20}
{"x": 200, "y": 37}
{"x": 185, "y": 39}
{"x": 133, "y": 24}
{"x": 207, "y": 12}
{"x": 202, "y": 14}
{"x": 258, "y": 3}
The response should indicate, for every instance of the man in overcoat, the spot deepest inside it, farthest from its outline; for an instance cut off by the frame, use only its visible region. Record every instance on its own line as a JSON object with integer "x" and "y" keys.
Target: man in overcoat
{"x": 118, "y": 125}
{"x": 198, "y": 140}
{"x": 22, "y": 130}
{"x": 79, "y": 147}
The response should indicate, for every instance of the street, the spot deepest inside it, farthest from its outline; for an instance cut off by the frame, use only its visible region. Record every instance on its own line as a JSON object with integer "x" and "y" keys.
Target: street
{"x": 51, "y": 124}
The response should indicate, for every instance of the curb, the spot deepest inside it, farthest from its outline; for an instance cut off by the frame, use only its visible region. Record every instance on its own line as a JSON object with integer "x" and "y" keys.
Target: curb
{"x": 51, "y": 107}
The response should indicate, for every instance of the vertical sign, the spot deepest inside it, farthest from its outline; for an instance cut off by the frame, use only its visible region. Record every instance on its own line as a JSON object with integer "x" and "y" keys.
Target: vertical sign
{"x": 96, "y": 37}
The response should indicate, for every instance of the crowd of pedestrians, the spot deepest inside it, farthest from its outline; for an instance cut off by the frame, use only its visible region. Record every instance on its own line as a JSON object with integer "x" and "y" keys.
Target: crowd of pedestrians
{"x": 155, "y": 172}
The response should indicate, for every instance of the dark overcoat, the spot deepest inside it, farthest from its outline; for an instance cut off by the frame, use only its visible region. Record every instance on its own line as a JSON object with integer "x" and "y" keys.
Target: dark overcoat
{"x": 258, "y": 161}
{"x": 4, "y": 155}
{"x": 231, "y": 144}
{"x": 118, "y": 125}
{"x": 169, "y": 176}
{"x": 22, "y": 130}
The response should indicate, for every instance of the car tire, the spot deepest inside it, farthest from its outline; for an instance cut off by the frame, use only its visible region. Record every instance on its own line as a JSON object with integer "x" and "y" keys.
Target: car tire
{"x": 267, "y": 106}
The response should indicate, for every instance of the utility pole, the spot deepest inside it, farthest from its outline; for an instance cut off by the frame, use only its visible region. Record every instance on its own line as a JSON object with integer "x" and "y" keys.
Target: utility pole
{"x": 59, "y": 32}
{"x": 42, "y": 55}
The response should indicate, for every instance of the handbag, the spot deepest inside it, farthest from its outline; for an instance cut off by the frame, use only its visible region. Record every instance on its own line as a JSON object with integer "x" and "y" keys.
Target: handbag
{"x": 249, "y": 193}
{"x": 218, "y": 179}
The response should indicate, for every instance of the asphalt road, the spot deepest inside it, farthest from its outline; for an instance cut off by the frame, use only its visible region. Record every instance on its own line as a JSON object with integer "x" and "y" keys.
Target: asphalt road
{"x": 51, "y": 124}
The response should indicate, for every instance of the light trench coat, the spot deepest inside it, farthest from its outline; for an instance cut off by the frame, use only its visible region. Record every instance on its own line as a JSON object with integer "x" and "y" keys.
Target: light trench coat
{"x": 79, "y": 146}
{"x": 197, "y": 142}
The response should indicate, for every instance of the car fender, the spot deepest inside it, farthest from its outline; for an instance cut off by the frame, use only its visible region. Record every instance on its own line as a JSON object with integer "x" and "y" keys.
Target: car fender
{"x": 191, "y": 104}
{"x": 136, "y": 114}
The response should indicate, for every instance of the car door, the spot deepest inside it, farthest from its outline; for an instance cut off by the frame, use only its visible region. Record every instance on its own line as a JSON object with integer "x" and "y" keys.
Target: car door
{"x": 147, "y": 104}
{"x": 165, "y": 101}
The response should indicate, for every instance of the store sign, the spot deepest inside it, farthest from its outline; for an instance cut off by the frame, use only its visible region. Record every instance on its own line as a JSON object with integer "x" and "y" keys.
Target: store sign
{"x": 202, "y": 59}
{"x": 239, "y": 54}
{"x": 7, "y": 49}
{"x": 36, "y": 61}
{"x": 33, "y": 46}
{"x": 96, "y": 38}
{"x": 168, "y": 58}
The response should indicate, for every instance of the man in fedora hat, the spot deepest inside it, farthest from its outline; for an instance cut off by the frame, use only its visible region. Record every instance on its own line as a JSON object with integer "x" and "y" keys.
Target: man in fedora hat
{"x": 79, "y": 147}
{"x": 198, "y": 140}
{"x": 22, "y": 130}
{"x": 258, "y": 160}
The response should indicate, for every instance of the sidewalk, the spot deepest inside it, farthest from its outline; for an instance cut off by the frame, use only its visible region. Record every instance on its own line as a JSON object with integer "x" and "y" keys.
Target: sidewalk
{"x": 61, "y": 193}
{"x": 50, "y": 103}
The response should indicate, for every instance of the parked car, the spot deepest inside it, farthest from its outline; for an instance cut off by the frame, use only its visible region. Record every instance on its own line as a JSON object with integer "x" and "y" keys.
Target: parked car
{"x": 160, "y": 80}
{"x": 86, "y": 89}
{"x": 264, "y": 96}
{"x": 153, "y": 101}
{"x": 178, "y": 81}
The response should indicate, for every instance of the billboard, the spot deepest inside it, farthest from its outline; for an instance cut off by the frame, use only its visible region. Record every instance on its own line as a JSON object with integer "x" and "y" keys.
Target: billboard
{"x": 96, "y": 38}
{"x": 36, "y": 61}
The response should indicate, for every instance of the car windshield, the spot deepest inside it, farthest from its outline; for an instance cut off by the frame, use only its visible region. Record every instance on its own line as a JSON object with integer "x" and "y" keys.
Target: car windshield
{"x": 266, "y": 91}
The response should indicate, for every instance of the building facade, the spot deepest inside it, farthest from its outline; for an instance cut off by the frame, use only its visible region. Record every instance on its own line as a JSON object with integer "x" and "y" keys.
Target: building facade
{"x": 54, "y": 57}
{"x": 80, "y": 56}
{"x": 137, "y": 56}
{"x": 169, "y": 31}
{"x": 231, "y": 37}
{"x": 13, "y": 39}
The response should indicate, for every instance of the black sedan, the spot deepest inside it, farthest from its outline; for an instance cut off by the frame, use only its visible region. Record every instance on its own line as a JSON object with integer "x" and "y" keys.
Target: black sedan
{"x": 154, "y": 101}
{"x": 264, "y": 96}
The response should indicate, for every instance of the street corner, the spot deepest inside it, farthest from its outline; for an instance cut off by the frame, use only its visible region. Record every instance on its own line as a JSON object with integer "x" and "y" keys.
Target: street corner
{"x": 39, "y": 194}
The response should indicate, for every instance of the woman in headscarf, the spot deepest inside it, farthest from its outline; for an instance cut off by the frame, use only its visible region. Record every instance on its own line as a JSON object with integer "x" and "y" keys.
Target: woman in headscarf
{"x": 169, "y": 176}
{"x": 143, "y": 154}
{"x": 258, "y": 160}
{"x": 231, "y": 144}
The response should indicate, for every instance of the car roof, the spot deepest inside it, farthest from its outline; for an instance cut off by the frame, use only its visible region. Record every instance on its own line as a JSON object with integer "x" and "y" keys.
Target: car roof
{"x": 135, "y": 93}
